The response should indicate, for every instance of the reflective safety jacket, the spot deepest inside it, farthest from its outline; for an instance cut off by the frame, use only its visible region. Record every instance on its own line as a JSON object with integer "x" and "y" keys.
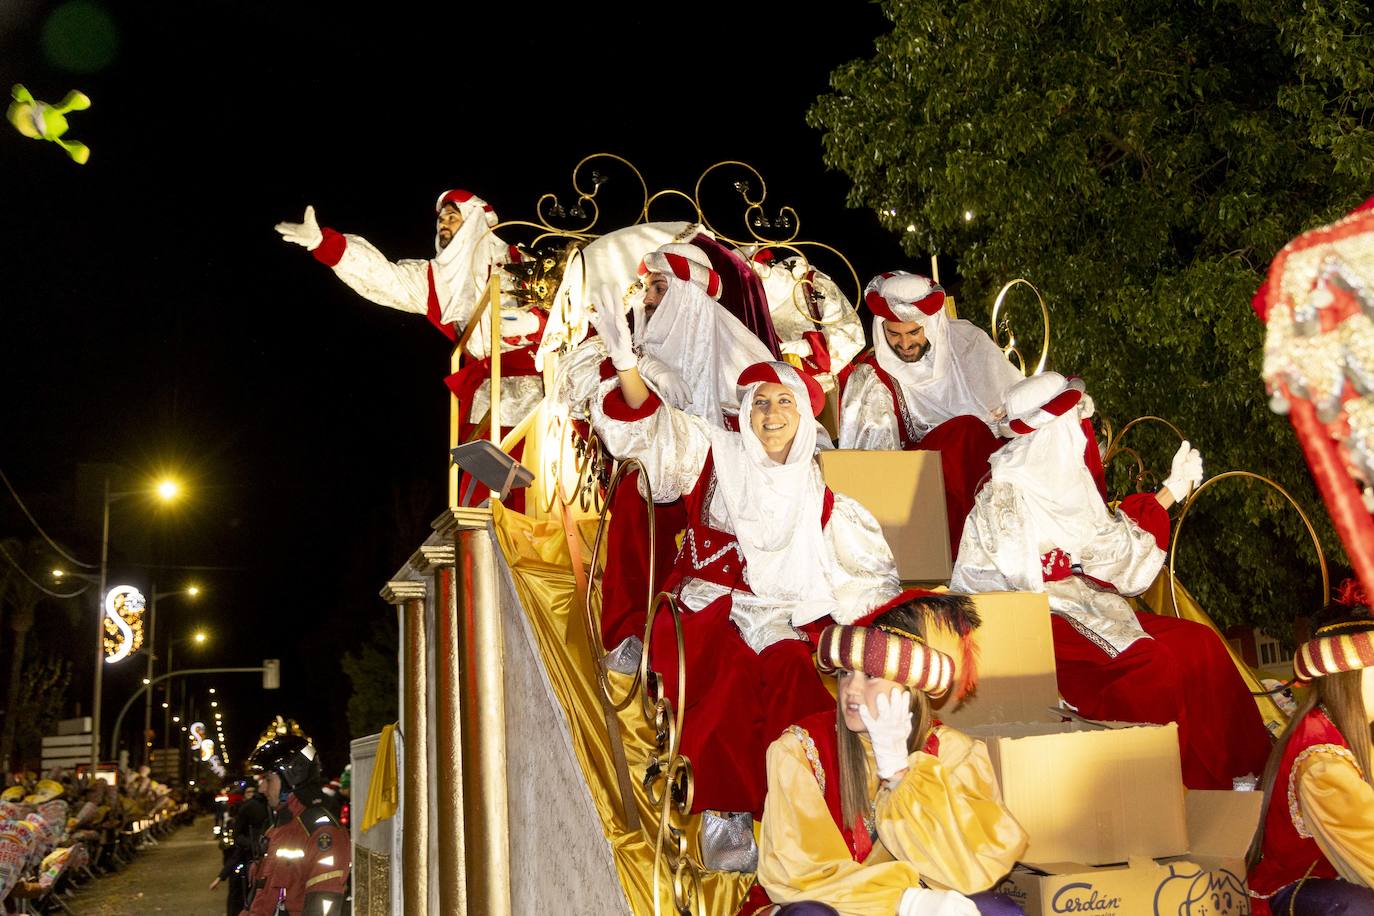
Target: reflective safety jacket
{"x": 308, "y": 854}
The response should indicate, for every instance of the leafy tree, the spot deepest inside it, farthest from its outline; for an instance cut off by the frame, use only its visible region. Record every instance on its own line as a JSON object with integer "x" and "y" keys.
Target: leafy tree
{"x": 39, "y": 701}
{"x": 376, "y": 685}
{"x": 1140, "y": 161}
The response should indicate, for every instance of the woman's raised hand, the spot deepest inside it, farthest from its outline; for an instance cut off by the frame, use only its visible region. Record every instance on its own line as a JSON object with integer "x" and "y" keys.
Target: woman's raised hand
{"x": 889, "y": 731}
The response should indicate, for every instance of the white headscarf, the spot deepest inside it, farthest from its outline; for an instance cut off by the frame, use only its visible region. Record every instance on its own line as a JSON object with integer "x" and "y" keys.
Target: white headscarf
{"x": 706, "y": 345}
{"x": 462, "y": 267}
{"x": 957, "y": 377}
{"x": 1063, "y": 505}
{"x": 776, "y": 512}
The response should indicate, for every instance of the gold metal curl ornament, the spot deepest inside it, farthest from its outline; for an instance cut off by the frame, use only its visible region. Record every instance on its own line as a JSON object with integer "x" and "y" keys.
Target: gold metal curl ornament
{"x": 594, "y": 580}
{"x": 998, "y": 329}
{"x": 674, "y": 194}
{"x": 754, "y": 216}
{"x": 591, "y": 466}
{"x": 556, "y": 433}
{"x": 1249, "y": 475}
{"x": 668, "y": 777}
{"x": 1115, "y": 448}
{"x": 548, "y": 208}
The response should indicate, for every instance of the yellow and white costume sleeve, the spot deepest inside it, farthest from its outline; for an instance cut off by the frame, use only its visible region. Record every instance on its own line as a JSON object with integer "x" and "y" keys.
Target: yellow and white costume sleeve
{"x": 1338, "y": 809}
{"x": 946, "y": 817}
{"x": 943, "y": 822}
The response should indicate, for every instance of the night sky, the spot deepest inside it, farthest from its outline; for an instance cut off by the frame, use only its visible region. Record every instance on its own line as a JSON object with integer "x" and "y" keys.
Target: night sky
{"x": 153, "y": 321}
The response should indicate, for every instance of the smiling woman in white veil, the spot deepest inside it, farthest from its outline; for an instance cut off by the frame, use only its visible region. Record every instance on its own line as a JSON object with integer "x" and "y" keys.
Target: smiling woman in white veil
{"x": 768, "y": 551}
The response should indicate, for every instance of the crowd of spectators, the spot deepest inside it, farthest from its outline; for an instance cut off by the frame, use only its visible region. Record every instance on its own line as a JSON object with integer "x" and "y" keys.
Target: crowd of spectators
{"x": 62, "y": 831}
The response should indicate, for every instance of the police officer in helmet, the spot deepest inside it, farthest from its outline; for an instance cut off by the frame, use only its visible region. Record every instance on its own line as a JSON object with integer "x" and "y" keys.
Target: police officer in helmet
{"x": 304, "y": 869}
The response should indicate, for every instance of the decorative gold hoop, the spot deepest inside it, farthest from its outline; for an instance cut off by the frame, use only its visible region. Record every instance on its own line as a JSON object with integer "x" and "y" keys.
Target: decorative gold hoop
{"x": 1010, "y": 346}
{"x": 593, "y": 616}
{"x": 669, "y": 768}
{"x": 1188, "y": 504}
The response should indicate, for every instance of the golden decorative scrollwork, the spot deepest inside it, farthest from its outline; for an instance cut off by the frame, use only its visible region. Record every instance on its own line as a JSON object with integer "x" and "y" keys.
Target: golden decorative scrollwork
{"x": 1247, "y": 475}
{"x": 668, "y": 776}
{"x": 548, "y": 208}
{"x": 1004, "y": 327}
{"x": 1115, "y": 448}
{"x": 755, "y": 217}
{"x": 593, "y": 609}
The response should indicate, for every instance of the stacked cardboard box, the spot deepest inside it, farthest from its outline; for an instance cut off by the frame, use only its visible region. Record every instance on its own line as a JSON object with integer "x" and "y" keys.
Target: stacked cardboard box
{"x": 1111, "y": 831}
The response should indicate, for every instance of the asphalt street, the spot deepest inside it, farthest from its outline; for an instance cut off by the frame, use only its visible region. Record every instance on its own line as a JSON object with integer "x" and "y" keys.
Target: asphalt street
{"x": 173, "y": 877}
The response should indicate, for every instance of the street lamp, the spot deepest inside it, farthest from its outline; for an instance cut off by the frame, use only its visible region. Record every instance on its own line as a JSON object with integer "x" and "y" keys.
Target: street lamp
{"x": 190, "y": 590}
{"x": 167, "y": 490}
{"x": 198, "y": 637}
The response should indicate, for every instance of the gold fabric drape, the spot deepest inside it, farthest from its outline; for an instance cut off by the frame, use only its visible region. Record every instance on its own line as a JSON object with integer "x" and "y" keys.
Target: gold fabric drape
{"x": 1156, "y": 598}
{"x": 537, "y": 552}
{"x": 383, "y": 790}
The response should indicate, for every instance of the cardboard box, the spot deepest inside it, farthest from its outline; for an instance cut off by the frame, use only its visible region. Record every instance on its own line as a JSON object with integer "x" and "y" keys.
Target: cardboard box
{"x": 1016, "y": 673}
{"x": 1209, "y": 880}
{"x": 1091, "y": 795}
{"x": 905, "y": 491}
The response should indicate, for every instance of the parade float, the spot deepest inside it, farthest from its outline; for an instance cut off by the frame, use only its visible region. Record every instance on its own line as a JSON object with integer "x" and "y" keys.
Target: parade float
{"x": 530, "y": 771}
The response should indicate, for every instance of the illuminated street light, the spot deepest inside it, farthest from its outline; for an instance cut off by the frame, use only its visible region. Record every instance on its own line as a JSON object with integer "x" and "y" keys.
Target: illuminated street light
{"x": 188, "y": 590}
{"x": 166, "y": 490}
{"x": 200, "y": 636}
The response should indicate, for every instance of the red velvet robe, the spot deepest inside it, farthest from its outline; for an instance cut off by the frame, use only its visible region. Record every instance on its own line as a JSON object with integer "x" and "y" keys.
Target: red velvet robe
{"x": 1288, "y": 856}
{"x": 1183, "y": 674}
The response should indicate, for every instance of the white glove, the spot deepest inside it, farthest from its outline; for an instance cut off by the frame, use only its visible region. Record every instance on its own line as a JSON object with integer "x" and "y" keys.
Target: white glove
{"x": 666, "y": 382}
{"x": 1185, "y": 472}
{"x": 608, "y": 317}
{"x": 800, "y": 347}
{"x": 305, "y": 234}
{"x": 923, "y": 901}
{"x": 888, "y": 731}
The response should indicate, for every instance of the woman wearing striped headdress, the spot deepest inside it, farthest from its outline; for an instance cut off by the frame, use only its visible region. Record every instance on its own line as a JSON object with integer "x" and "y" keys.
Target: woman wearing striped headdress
{"x": 877, "y": 807}
{"x": 1314, "y": 853}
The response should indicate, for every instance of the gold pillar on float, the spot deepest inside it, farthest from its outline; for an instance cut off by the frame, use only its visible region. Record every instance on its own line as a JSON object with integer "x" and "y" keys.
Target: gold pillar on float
{"x": 409, "y": 597}
{"x": 481, "y": 709}
{"x": 435, "y": 560}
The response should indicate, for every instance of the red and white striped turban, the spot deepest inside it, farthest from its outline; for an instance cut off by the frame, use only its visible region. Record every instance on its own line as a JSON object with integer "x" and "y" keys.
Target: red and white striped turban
{"x": 886, "y": 652}
{"x": 802, "y": 384}
{"x": 901, "y": 296}
{"x": 465, "y": 201}
{"x": 1343, "y": 644}
{"x": 1346, "y": 645}
{"x": 1036, "y": 402}
{"x": 686, "y": 262}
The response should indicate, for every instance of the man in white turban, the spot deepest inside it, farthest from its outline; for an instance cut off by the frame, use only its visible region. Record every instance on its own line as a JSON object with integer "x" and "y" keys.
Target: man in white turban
{"x": 1041, "y": 525}
{"x": 446, "y": 289}
{"x": 930, "y": 384}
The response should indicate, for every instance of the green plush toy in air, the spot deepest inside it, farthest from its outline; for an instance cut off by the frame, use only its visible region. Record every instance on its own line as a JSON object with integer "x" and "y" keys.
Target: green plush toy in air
{"x": 42, "y": 121}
